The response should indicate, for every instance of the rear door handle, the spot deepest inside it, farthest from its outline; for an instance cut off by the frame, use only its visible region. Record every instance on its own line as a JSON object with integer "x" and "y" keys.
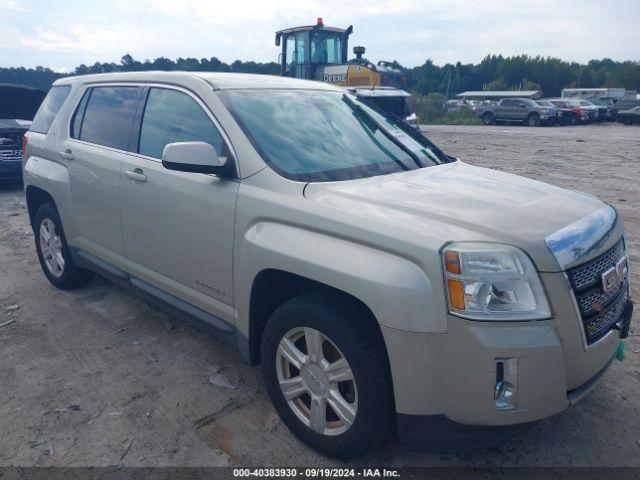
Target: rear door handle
{"x": 67, "y": 154}
{"x": 136, "y": 175}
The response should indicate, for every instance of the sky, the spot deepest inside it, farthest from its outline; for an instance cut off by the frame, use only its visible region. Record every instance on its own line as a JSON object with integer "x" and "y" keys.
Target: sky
{"x": 62, "y": 34}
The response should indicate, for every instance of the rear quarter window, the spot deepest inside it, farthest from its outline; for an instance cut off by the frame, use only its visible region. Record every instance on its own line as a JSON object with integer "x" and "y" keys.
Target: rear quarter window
{"x": 50, "y": 108}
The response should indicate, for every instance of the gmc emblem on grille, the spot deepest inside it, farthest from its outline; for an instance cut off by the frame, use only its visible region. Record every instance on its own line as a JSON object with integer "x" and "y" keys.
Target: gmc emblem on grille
{"x": 615, "y": 276}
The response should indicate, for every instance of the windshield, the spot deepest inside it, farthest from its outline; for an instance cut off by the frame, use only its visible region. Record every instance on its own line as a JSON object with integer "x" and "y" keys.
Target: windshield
{"x": 545, "y": 103}
{"x": 326, "y": 48}
{"x": 309, "y": 135}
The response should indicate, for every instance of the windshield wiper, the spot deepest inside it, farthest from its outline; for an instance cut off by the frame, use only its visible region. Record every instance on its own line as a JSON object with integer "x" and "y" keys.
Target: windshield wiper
{"x": 370, "y": 119}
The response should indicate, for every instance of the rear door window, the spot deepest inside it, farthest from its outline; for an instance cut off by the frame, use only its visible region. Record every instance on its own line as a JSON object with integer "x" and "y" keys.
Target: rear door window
{"x": 172, "y": 116}
{"x": 50, "y": 108}
{"x": 108, "y": 116}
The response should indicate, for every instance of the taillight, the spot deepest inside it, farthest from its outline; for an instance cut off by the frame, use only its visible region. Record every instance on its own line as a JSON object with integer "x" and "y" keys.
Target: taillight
{"x": 25, "y": 140}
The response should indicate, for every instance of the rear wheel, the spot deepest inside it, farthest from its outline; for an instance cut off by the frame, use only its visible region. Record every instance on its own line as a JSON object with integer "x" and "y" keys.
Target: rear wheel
{"x": 533, "y": 120}
{"x": 326, "y": 373}
{"x": 53, "y": 251}
{"x": 573, "y": 120}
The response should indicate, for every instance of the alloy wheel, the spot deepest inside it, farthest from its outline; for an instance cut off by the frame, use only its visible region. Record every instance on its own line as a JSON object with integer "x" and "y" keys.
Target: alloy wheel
{"x": 316, "y": 380}
{"x": 51, "y": 248}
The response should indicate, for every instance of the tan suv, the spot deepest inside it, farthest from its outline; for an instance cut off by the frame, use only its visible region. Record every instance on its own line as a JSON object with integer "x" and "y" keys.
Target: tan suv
{"x": 382, "y": 285}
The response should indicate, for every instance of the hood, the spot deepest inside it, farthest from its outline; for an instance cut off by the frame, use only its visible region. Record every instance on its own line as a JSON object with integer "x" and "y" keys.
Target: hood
{"x": 460, "y": 202}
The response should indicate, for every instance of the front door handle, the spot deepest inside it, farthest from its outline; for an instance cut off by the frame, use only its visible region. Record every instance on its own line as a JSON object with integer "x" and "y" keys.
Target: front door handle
{"x": 67, "y": 154}
{"x": 136, "y": 175}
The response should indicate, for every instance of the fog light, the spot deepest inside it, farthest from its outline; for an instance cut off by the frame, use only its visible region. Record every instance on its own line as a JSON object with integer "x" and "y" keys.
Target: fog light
{"x": 506, "y": 387}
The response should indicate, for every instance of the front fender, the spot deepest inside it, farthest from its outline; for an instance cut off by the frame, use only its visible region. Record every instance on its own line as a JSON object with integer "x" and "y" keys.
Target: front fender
{"x": 396, "y": 290}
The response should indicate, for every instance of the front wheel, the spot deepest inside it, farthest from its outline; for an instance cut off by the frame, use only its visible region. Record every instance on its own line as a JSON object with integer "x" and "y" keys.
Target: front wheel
{"x": 533, "y": 120}
{"x": 488, "y": 119}
{"x": 325, "y": 370}
{"x": 53, "y": 251}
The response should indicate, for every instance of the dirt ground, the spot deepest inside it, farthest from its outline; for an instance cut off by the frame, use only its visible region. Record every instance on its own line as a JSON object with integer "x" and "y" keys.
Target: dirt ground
{"x": 98, "y": 377}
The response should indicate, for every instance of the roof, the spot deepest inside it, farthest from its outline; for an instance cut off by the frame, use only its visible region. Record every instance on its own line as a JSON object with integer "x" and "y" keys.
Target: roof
{"x": 500, "y": 93}
{"x": 601, "y": 89}
{"x": 218, "y": 80}
{"x": 304, "y": 28}
{"x": 378, "y": 92}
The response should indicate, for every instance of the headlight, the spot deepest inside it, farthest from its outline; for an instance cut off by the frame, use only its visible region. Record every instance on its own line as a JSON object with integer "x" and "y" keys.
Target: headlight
{"x": 490, "y": 281}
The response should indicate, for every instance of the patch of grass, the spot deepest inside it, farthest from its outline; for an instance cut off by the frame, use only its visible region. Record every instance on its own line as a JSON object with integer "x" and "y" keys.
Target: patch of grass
{"x": 461, "y": 117}
{"x": 431, "y": 110}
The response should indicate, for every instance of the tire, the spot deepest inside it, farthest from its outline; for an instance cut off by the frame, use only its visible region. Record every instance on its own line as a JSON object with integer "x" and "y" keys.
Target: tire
{"x": 533, "y": 120}
{"x": 366, "y": 400}
{"x": 574, "y": 120}
{"x": 53, "y": 251}
{"x": 488, "y": 119}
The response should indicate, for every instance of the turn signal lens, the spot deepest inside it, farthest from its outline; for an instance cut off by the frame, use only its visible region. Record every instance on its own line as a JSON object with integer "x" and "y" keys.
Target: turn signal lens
{"x": 452, "y": 261}
{"x": 456, "y": 294}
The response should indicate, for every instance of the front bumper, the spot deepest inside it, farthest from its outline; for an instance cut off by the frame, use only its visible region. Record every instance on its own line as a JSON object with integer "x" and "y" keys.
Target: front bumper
{"x": 10, "y": 169}
{"x": 448, "y": 380}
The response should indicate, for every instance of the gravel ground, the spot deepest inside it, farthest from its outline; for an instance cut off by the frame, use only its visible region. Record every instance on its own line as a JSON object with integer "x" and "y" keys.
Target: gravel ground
{"x": 98, "y": 377}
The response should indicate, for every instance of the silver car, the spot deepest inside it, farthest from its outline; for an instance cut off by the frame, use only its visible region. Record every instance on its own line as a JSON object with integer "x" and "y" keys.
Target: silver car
{"x": 381, "y": 284}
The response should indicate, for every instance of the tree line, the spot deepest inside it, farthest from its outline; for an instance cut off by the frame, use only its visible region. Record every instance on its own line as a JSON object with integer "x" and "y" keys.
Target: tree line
{"x": 523, "y": 72}
{"x": 494, "y": 72}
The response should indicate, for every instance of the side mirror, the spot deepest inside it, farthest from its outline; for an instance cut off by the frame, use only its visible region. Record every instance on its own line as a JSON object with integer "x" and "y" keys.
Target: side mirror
{"x": 196, "y": 157}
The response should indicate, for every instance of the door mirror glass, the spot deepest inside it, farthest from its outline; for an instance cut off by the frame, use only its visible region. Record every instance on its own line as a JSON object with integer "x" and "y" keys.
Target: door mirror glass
{"x": 197, "y": 157}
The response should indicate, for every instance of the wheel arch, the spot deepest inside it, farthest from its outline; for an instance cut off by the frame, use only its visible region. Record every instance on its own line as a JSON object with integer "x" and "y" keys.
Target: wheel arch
{"x": 36, "y": 197}
{"x": 272, "y": 287}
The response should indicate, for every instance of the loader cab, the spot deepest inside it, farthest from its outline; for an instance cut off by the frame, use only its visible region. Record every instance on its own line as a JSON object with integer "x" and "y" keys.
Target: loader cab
{"x": 304, "y": 49}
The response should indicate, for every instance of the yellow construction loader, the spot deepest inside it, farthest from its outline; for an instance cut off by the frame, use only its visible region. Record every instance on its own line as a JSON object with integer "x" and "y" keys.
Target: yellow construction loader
{"x": 318, "y": 52}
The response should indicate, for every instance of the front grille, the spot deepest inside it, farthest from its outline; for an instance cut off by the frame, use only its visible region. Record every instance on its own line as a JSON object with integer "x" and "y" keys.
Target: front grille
{"x": 588, "y": 274}
{"x": 597, "y": 326}
{"x": 10, "y": 154}
{"x": 599, "y": 310}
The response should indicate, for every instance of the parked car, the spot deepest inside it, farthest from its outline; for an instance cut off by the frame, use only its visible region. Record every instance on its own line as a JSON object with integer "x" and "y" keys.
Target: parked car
{"x": 11, "y": 133}
{"x": 624, "y": 104}
{"x": 563, "y": 116}
{"x": 583, "y": 115}
{"x": 381, "y": 284}
{"x": 516, "y": 110}
{"x": 629, "y": 117}
{"x": 604, "y": 103}
{"x": 599, "y": 112}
